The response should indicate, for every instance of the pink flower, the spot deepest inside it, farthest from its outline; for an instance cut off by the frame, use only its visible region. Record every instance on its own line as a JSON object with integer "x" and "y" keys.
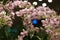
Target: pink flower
{"x": 24, "y": 11}
{"x": 8, "y": 20}
{"x": 24, "y": 3}
{"x": 12, "y": 14}
{"x": 1, "y": 7}
{"x": 10, "y": 6}
{"x": 20, "y": 38}
{"x": 49, "y": 31}
{"x": 22, "y": 33}
{"x": 19, "y": 14}
{"x": 51, "y": 22}
{"x": 9, "y": 23}
{"x": 44, "y": 22}
{"x": 15, "y": 0}
{"x": 26, "y": 33}
{"x": 57, "y": 22}
{"x": 47, "y": 9}
{"x": 40, "y": 13}
{"x": 40, "y": 8}
{"x": 16, "y": 3}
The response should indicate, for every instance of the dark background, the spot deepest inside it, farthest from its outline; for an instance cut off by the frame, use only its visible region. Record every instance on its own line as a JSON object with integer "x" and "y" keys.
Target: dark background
{"x": 54, "y": 5}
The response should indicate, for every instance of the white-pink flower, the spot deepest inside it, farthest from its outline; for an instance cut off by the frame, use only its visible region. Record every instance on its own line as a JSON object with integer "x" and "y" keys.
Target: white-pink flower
{"x": 1, "y": 8}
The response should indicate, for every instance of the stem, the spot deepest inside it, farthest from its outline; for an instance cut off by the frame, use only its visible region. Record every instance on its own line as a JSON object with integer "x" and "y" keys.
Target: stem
{"x": 38, "y": 37}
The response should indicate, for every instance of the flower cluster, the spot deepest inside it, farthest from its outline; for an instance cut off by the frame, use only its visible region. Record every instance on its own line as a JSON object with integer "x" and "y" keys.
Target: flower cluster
{"x": 38, "y": 13}
{"x": 4, "y": 19}
{"x": 54, "y": 21}
{"x": 56, "y": 34}
{"x": 22, "y": 35}
{"x": 21, "y": 4}
{"x": 28, "y": 13}
{"x": 50, "y": 23}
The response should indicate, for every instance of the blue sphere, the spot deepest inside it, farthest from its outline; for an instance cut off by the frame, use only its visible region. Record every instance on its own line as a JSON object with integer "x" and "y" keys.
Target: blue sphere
{"x": 35, "y": 21}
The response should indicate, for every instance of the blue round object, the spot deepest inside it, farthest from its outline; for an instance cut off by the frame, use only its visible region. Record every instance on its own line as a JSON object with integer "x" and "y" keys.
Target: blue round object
{"x": 35, "y": 21}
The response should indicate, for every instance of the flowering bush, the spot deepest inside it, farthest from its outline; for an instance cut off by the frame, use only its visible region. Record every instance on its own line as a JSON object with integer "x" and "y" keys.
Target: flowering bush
{"x": 20, "y": 20}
